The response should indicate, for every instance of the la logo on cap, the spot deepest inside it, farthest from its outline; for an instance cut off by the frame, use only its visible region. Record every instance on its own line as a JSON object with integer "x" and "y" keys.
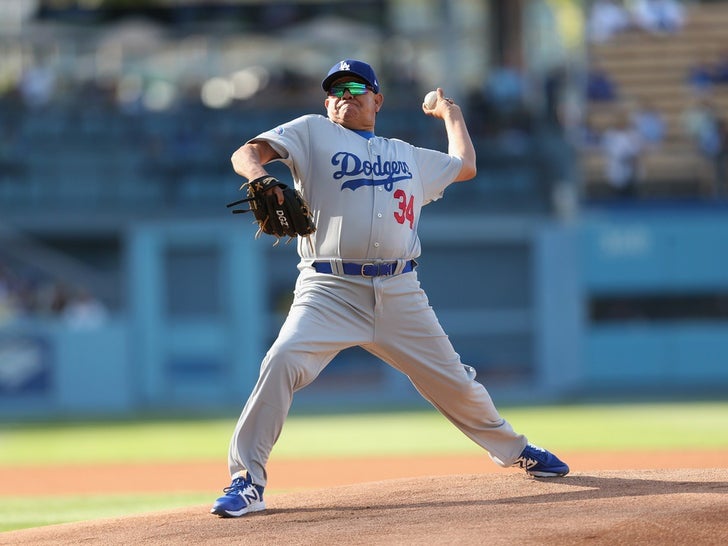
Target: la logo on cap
{"x": 344, "y": 66}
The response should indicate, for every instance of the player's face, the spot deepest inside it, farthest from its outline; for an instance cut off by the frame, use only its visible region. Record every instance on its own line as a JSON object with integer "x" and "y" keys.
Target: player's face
{"x": 356, "y": 112}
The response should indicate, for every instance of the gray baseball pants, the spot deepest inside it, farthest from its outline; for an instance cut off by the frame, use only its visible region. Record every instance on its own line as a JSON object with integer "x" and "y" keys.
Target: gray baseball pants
{"x": 389, "y": 316}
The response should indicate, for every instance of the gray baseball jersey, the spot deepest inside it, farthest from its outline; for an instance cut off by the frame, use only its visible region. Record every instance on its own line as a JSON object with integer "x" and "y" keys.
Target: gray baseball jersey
{"x": 380, "y": 183}
{"x": 365, "y": 194}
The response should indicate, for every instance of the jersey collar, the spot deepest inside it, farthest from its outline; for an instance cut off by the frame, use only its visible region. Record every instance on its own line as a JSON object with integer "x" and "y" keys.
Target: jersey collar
{"x": 364, "y": 134}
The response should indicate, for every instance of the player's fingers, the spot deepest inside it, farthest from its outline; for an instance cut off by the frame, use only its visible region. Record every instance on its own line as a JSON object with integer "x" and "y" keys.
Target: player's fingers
{"x": 441, "y": 96}
{"x": 279, "y": 194}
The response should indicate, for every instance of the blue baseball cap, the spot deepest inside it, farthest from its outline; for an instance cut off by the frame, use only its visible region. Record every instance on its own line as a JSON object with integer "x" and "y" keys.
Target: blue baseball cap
{"x": 350, "y": 67}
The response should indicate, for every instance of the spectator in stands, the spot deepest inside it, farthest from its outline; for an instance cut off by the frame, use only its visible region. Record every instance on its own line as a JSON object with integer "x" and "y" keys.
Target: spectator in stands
{"x": 701, "y": 76}
{"x": 720, "y": 68}
{"x": 84, "y": 312}
{"x": 699, "y": 122}
{"x": 555, "y": 96}
{"x": 659, "y": 16}
{"x": 18, "y": 294}
{"x": 502, "y": 105}
{"x": 599, "y": 85}
{"x": 505, "y": 89}
{"x": 37, "y": 86}
{"x": 649, "y": 123}
{"x": 606, "y": 19}
{"x": 587, "y": 136}
{"x": 622, "y": 147}
{"x": 59, "y": 296}
{"x": 707, "y": 129}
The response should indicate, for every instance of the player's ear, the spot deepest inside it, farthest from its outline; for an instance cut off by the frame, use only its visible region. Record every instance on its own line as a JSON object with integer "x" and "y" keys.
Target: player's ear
{"x": 378, "y": 100}
{"x": 326, "y": 104}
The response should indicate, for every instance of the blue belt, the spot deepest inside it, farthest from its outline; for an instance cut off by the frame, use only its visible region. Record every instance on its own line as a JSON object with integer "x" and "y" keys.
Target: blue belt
{"x": 365, "y": 270}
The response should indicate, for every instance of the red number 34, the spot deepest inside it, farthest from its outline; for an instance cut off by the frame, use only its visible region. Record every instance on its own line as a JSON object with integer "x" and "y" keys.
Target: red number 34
{"x": 406, "y": 212}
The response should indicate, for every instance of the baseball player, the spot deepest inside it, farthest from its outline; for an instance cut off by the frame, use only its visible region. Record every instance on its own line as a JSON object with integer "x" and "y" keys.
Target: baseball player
{"x": 357, "y": 282}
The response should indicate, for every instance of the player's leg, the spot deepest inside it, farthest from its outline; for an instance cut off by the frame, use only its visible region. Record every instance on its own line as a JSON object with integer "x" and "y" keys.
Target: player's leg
{"x": 306, "y": 343}
{"x": 410, "y": 338}
{"x": 438, "y": 375}
{"x": 293, "y": 361}
{"x": 326, "y": 317}
{"x": 287, "y": 367}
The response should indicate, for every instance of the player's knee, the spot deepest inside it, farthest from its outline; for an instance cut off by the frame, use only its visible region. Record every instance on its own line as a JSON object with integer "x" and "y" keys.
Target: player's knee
{"x": 289, "y": 367}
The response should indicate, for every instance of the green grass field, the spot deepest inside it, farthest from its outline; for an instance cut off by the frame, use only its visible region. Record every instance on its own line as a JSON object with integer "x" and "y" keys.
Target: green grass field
{"x": 566, "y": 428}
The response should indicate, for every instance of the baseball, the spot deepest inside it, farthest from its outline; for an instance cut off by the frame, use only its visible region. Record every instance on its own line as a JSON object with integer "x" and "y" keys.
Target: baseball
{"x": 431, "y": 100}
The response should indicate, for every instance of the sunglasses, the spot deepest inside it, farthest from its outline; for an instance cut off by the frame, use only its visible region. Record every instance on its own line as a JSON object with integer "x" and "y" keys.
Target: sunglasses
{"x": 355, "y": 88}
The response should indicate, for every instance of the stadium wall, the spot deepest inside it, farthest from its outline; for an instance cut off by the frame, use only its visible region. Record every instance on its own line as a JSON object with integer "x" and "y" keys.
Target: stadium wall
{"x": 617, "y": 302}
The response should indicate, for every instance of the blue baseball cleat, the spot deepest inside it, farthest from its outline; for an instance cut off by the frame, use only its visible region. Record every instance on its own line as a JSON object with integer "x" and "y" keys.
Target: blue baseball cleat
{"x": 241, "y": 497}
{"x": 540, "y": 463}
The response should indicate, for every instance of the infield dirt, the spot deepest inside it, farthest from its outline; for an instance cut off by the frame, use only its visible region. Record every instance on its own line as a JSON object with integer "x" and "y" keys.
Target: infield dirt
{"x": 483, "y": 505}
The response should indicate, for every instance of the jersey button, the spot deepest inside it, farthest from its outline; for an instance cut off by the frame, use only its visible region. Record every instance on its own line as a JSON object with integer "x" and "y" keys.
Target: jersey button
{"x": 376, "y": 245}
{"x": 379, "y": 215}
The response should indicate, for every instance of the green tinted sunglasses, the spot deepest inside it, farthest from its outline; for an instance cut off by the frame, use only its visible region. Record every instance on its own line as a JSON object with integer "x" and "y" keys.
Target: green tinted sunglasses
{"x": 355, "y": 88}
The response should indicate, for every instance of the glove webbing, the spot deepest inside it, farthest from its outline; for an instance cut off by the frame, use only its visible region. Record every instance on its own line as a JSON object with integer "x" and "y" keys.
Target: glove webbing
{"x": 257, "y": 189}
{"x": 259, "y": 185}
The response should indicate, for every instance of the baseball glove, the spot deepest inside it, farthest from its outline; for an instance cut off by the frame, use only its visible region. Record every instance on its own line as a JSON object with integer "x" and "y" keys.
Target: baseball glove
{"x": 290, "y": 219}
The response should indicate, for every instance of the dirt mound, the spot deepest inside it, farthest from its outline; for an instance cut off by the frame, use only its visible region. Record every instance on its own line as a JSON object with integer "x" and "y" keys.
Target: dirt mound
{"x": 602, "y": 507}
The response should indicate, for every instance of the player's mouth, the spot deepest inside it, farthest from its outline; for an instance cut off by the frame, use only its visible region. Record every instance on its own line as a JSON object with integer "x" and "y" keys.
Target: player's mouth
{"x": 344, "y": 105}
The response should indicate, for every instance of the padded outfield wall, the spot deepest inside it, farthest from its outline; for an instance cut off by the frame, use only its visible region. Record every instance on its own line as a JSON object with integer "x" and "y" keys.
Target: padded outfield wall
{"x": 618, "y": 302}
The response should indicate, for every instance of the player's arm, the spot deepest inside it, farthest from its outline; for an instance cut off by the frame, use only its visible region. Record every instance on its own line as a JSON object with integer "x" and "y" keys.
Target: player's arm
{"x": 249, "y": 160}
{"x": 459, "y": 142}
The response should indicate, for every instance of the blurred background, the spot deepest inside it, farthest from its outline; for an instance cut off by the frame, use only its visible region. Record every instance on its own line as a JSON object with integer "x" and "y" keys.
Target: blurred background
{"x": 588, "y": 260}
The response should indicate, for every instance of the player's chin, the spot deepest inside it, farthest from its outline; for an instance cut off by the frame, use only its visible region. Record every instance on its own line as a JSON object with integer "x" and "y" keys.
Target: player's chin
{"x": 345, "y": 111}
{"x": 346, "y": 117}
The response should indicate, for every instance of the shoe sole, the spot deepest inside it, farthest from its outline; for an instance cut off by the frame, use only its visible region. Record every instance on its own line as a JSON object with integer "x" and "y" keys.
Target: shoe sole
{"x": 255, "y": 507}
{"x": 538, "y": 474}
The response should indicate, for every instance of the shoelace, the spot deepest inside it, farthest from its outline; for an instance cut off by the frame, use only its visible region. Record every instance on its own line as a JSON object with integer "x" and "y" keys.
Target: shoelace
{"x": 237, "y": 485}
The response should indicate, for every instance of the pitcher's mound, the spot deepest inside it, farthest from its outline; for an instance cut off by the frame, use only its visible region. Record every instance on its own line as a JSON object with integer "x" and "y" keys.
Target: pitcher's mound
{"x": 614, "y": 507}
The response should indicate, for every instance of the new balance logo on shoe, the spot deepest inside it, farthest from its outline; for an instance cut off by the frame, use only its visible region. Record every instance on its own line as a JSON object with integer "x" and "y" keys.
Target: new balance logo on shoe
{"x": 241, "y": 497}
{"x": 540, "y": 463}
{"x": 251, "y": 494}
